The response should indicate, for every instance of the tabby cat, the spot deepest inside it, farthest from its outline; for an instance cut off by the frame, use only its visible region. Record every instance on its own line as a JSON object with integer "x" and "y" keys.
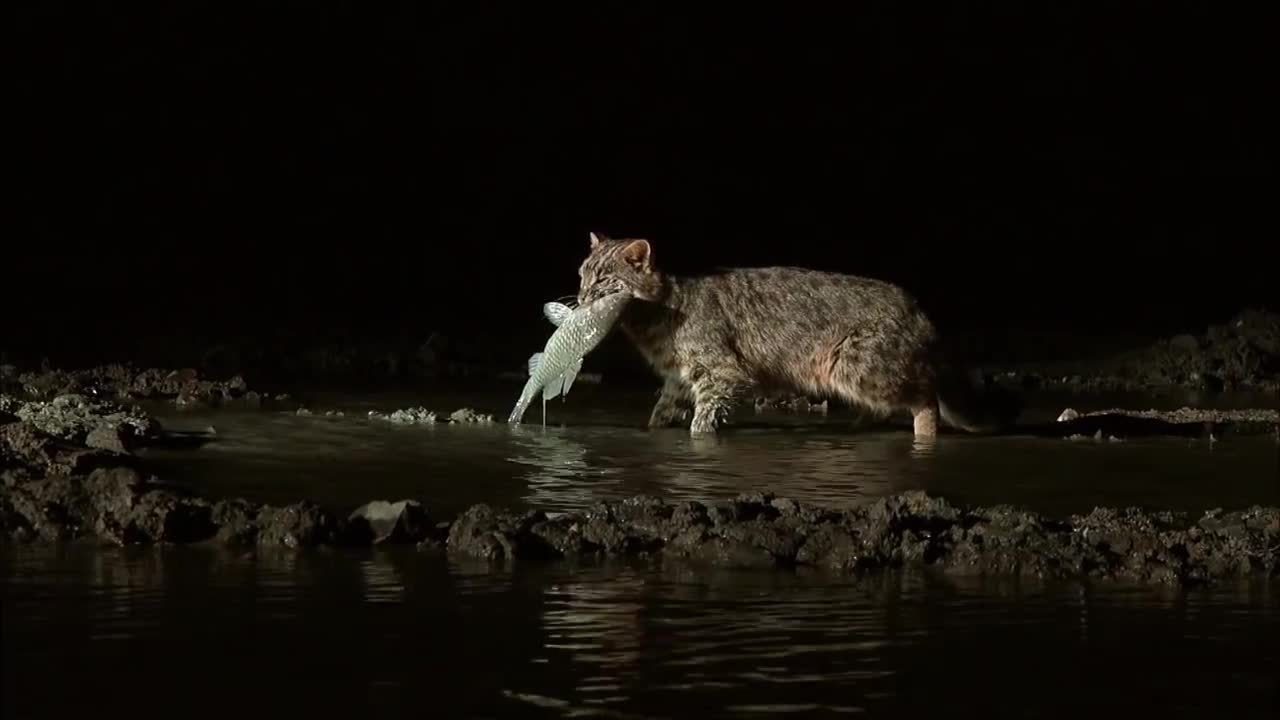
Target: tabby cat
{"x": 717, "y": 338}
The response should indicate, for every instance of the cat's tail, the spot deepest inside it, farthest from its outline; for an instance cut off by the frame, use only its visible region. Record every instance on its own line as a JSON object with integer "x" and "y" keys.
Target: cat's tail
{"x": 976, "y": 407}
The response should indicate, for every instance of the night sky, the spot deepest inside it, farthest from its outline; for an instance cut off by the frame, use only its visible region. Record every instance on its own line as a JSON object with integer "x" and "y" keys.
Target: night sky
{"x": 359, "y": 168}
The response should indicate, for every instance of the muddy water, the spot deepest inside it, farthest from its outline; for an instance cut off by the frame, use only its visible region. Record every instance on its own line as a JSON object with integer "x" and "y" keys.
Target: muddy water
{"x": 159, "y": 632}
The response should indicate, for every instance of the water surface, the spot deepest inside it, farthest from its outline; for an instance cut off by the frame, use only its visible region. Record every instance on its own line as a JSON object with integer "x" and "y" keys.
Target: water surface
{"x": 187, "y": 632}
{"x": 596, "y": 447}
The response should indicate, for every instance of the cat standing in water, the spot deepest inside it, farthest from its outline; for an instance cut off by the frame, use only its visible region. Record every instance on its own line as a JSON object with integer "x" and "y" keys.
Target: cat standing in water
{"x": 717, "y": 338}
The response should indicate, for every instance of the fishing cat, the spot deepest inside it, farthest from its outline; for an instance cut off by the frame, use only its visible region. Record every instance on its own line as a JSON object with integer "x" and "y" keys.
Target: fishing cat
{"x": 715, "y": 338}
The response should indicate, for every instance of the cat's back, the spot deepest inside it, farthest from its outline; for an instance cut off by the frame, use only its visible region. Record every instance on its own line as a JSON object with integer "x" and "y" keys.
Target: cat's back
{"x": 788, "y": 290}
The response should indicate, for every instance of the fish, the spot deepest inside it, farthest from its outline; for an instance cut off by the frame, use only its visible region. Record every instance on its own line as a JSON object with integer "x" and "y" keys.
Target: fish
{"x": 578, "y": 332}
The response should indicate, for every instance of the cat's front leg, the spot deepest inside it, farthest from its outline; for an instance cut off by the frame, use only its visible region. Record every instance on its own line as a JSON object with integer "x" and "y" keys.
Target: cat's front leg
{"x": 713, "y": 398}
{"x": 672, "y": 406}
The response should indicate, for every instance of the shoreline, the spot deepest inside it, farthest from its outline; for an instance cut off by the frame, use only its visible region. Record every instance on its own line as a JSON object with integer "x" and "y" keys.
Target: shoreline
{"x": 68, "y": 473}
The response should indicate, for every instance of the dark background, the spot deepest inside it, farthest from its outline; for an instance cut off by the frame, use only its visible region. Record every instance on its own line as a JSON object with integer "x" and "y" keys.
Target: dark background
{"x": 338, "y": 170}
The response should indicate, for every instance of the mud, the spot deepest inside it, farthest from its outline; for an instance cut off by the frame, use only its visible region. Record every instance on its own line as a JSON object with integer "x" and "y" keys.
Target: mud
{"x": 1241, "y": 354}
{"x": 185, "y": 387}
{"x": 912, "y": 529}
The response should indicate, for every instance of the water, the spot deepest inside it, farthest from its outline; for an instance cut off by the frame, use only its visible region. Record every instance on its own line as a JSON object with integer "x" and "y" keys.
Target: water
{"x": 159, "y": 632}
{"x": 595, "y": 448}
{"x": 211, "y": 633}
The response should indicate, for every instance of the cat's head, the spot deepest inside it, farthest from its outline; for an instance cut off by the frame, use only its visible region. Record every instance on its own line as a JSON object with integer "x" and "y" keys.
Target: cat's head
{"x": 615, "y": 265}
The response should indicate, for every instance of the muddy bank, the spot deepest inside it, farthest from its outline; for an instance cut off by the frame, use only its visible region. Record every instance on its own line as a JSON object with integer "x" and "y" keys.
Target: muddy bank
{"x": 185, "y": 386}
{"x": 1241, "y": 354}
{"x": 124, "y": 506}
{"x": 1121, "y": 424}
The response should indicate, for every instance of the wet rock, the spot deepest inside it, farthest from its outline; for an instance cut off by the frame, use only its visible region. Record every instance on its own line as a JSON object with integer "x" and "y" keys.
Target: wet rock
{"x": 484, "y": 533}
{"x": 406, "y": 521}
{"x": 31, "y": 453}
{"x": 115, "y": 505}
{"x": 790, "y": 403}
{"x": 106, "y": 438}
{"x": 236, "y": 521}
{"x": 467, "y": 415}
{"x": 302, "y": 524}
{"x": 752, "y": 544}
{"x": 409, "y": 416}
{"x": 1118, "y": 423}
{"x": 73, "y": 417}
{"x": 184, "y": 385}
{"x": 753, "y": 530}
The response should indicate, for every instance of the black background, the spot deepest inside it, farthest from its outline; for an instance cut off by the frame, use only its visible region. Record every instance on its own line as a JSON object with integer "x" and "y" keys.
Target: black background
{"x": 370, "y": 169}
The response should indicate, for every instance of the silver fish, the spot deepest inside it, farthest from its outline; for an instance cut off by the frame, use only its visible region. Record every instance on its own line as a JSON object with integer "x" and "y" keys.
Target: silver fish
{"x": 578, "y": 331}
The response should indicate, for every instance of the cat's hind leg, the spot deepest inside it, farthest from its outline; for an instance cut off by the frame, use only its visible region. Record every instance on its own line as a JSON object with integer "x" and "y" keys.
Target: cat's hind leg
{"x": 884, "y": 379}
{"x": 924, "y": 419}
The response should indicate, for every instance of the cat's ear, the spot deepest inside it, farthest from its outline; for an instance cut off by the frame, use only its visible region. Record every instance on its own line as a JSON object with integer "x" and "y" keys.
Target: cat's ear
{"x": 595, "y": 241}
{"x": 638, "y": 254}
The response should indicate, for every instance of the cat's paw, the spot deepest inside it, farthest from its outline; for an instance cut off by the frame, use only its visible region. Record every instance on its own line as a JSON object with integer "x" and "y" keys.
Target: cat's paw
{"x": 667, "y": 417}
{"x": 703, "y": 423}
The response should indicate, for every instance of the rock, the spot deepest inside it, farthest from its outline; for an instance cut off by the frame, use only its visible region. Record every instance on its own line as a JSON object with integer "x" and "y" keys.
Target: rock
{"x": 303, "y": 524}
{"x": 380, "y": 521}
{"x": 410, "y": 416}
{"x": 236, "y": 521}
{"x": 32, "y": 453}
{"x": 115, "y": 505}
{"x": 72, "y": 417}
{"x": 467, "y": 415}
{"x": 752, "y": 530}
{"x": 485, "y": 534}
{"x": 107, "y": 438}
{"x": 122, "y": 381}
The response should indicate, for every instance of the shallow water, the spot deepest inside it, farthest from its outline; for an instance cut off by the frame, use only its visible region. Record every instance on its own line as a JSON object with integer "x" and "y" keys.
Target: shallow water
{"x": 211, "y": 632}
{"x": 596, "y": 447}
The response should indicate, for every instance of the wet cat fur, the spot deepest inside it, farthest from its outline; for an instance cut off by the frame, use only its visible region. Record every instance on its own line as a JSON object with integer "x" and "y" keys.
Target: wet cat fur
{"x": 718, "y": 338}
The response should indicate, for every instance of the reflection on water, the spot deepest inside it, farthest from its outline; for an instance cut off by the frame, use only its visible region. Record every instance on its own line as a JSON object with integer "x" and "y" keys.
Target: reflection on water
{"x": 207, "y": 632}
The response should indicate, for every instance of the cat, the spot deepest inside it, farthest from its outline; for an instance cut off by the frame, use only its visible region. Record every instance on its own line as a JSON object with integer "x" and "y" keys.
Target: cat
{"x": 714, "y": 339}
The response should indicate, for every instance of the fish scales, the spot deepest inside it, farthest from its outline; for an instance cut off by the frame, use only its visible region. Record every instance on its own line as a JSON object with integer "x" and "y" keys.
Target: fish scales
{"x": 578, "y": 332}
